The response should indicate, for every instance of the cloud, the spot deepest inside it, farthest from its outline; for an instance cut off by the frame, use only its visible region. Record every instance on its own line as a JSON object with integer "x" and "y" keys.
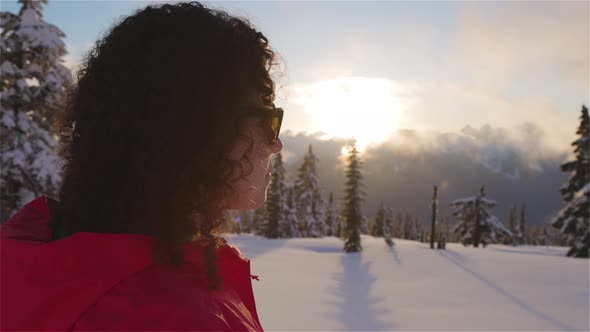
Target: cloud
{"x": 449, "y": 106}
{"x": 492, "y": 147}
{"x": 498, "y": 42}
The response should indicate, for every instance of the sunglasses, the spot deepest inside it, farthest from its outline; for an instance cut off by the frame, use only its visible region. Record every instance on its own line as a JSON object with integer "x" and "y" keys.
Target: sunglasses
{"x": 272, "y": 118}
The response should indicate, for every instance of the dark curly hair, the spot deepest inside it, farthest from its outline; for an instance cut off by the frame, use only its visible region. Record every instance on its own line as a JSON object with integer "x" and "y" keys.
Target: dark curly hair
{"x": 147, "y": 129}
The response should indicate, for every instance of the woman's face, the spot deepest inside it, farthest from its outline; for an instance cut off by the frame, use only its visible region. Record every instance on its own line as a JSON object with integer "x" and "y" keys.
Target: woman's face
{"x": 251, "y": 189}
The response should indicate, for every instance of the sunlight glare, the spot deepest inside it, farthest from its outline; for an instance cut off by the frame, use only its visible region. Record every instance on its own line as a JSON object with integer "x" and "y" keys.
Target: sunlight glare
{"x": 366, "y": 109}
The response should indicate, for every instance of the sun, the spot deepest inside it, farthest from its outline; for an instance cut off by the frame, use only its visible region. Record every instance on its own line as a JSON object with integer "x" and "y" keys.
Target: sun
{"x": 366, "y": 109}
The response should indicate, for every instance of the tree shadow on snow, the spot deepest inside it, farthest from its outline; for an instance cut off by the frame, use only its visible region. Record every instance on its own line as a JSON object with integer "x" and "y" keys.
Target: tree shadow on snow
{"x": 394, "y": 253}
{"x": 457, "y": 256}
{"x": 357, "y": 309}
{"x": 555, "y": 322}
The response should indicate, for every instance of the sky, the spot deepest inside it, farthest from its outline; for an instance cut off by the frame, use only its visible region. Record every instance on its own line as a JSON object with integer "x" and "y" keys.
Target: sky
{"x": 370, "y": 69}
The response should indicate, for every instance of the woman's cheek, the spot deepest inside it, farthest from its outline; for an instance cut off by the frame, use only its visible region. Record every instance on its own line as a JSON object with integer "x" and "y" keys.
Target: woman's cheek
{"x": 263, "y": 150}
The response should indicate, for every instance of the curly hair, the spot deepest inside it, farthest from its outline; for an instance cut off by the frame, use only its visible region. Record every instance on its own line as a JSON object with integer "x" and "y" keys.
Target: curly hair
{"x": 147, "y": 129}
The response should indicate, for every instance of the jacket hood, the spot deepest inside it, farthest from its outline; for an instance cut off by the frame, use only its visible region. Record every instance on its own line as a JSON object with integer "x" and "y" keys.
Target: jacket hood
{"x": 30, "y": 223}
{"x": 48, "y": 285}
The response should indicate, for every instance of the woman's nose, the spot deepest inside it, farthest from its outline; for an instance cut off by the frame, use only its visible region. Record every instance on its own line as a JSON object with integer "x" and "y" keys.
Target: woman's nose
{"x": 277, "y": 146}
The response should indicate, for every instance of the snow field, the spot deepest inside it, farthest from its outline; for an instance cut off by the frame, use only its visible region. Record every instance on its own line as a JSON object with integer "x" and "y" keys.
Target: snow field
{"x": 310, "y": 284}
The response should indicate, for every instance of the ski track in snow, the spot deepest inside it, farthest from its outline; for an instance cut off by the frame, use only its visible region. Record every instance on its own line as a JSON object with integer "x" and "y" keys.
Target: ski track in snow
{"x": 559, "y": 325}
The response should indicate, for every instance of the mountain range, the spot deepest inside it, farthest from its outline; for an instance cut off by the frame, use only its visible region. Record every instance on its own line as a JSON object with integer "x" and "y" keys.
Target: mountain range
{"x": 401, "y": 173}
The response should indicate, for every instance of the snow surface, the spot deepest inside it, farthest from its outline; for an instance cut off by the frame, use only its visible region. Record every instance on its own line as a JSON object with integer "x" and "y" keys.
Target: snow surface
{"x": 310, "y": 284}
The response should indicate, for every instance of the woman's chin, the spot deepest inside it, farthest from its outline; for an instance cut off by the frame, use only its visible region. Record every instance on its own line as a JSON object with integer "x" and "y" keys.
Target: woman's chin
{"x": 260, "y": 202}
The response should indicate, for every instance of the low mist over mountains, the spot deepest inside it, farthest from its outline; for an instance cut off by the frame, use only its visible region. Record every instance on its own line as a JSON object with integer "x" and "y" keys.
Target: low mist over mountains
{"x": 516, "y": 166}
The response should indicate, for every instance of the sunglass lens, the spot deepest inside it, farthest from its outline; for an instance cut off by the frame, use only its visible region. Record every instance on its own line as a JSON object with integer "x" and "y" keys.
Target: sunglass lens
{"x": 276, "y": 126}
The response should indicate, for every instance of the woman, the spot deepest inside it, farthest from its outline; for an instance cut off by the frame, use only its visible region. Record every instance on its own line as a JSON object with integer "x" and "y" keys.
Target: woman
{"x": 171, "y": 123}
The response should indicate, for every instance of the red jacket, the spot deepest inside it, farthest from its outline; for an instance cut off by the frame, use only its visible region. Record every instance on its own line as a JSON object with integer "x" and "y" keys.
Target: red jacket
{"x": 92, "y": 281}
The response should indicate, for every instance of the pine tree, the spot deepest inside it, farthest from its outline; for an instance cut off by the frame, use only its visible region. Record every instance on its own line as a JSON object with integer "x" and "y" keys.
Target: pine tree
{"x": 352, "y": 214}
{"x": 418, "y": 231}
{"x": 379, "y": 222}
{"x": 245, "y": 219}
{"x": 517, "y": 235}
{"x": 580, "y": 167}
{"x": 543, "y": 239}
{"x": 408, "y": 226}
{"x": 397, "y": 226}
{"x": 275, "y": 203}
{"x": 388, "y": 227}
{"x": 33, "y": 86}
{"x": 522, "y": 225}
{"x": 290, "y": 226}
{"x": 531, "y": 236}
{"x": 574, "y": 219}
{"x": 330, "y": 217}
{"x": 572, "y": 222}
{"x": 259, "y": 220}
{"x": 443, "y": 233}
{"x": 364, "y": 225}
{"x": 340, "y": 226}
{"x": 230, "y": 218}
{"x": 476, "y": 223}
{"x": 308, "y": 197}
{"x": 448, "y": 235}
{"x": 433, "y": 221}
{"x": 317, "y": 228}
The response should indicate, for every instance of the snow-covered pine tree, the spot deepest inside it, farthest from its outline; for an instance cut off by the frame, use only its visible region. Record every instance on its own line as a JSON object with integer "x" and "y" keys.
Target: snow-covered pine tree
{"x": 245, "y": 219}
{"x": 276, "y": 200}
{"x": 365, "y": 225}
{"x": 543, "y": 238}
{"x": 370, "y": 224}
{"x": 317, "y": 228}
{"x": 33, "y": 86}
{"x": 290, "y": 226}
{"x": 522, "y": 225}
{"x": 553, "y": 236}
{"x": 352, "y": 214}
{"x": 259, "y": 220}
{"x": 230, "y": 222}
{"x": 408, "y": 226}
{"x": 340, "y": 226}
{"x": 330, "y": 217}
{"x": 442, "y": 233}
{"x": 472, "y": 209}
{"x": 514, "y": 229}
{"x": 574, "y": 219}
{"x": 308, "y": 197}
{"x": 379, "y": 222}
{"x": 580, "y": 167}
{"x": 433, "y": 221}
{"x": 397, "y": 226}
{"x": 447, "y": 226}
{"x": 418, "y": 231}
{"x": 535, "y": 232}
{"x": 388, "y": 227}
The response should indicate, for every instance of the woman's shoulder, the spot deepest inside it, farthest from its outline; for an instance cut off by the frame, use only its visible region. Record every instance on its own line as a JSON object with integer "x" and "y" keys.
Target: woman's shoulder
{"x": 165, "y": 298}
